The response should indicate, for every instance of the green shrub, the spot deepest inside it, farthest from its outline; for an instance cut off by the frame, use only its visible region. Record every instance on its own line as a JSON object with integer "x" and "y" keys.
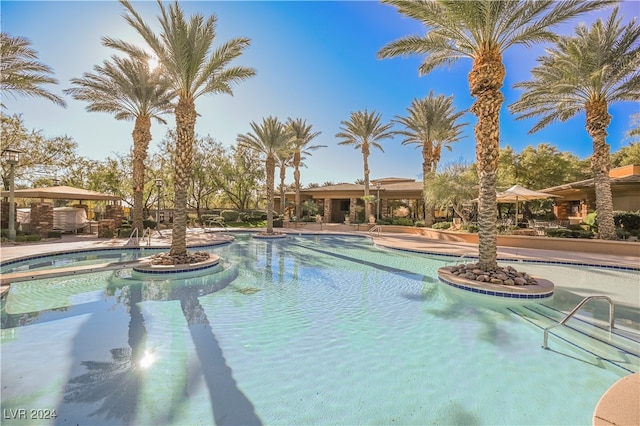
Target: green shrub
{"x": 106, "y": 233}
{"x": 442, "y": 225}
{"x": 125, "y": 232}
{"x": 592, "y": 221}
{"x": 148, "y": 223}
{"x": 277, "y": 222}
{"x": 583, "y": 234}
{"x": 627, "y": 220}
{"x": 419, "y": 224}
{"x": 24, "y": 238}
{"x": 559, "y": 233}
{"x": 469, "y": 227}
{"x": 402, "y": 221}
{"x": 622, "y": 234}
{"x": 252, "y": 216}
{"x": 53, "y": 234}
{"x": 568, "y": 233}
{"x": 230, "y": 215}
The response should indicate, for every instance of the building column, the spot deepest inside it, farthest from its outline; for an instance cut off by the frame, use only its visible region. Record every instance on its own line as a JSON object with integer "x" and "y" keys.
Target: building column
{"x": 353, "y": 202}
{"x": 327, "y": 210}
{"x": 384, "y": 208}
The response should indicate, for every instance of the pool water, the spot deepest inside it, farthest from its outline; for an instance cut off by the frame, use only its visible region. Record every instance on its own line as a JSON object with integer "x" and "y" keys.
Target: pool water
{"x": 74, "y": 259}
{"x": 304, "y": 330}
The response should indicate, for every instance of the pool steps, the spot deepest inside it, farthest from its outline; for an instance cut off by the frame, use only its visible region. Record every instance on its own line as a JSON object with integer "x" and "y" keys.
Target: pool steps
{"x": 586, "y": 339}
{"x": 7, "y": 279}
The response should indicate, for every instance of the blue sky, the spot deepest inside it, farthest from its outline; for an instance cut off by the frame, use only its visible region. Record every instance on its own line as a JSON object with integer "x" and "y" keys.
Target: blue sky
{"x": 314, "y": 60}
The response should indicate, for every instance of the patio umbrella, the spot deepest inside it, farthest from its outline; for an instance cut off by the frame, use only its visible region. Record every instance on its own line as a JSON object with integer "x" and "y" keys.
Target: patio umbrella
{"x": 520, "y": 193}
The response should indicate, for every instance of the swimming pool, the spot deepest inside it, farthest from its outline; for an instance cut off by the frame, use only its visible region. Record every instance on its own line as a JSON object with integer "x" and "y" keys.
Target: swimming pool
{"x": 306, "y": 330}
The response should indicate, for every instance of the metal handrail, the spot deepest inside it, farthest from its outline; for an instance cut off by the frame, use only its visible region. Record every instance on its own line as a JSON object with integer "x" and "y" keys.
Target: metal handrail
{"x": 376, "y": 228}
{"x": 612, "y": 313}
{"x": 133, "y": 231}
{"x": 147, "y": 233}
{"x": 224, "y": 227}
{"x": 461, "y": 258}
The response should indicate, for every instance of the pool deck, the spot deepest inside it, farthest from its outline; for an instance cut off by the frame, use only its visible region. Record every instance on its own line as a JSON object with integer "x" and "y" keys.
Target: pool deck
{"x": 614, "y": 408}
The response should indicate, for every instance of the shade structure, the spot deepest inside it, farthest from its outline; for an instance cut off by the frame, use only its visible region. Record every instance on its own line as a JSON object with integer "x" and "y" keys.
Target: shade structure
{"x": 62, "y": 192}
{"x": 519, "y": 193}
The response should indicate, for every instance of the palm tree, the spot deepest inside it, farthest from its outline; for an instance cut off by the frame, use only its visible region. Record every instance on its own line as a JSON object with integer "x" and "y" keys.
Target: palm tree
{"x": 587, "y": 72}
{"x": 285, "y": 159}
{"x": 184, "y": 50}
{"x": 431, "y": 123}
{"x": 20, "y": 71}
{"x": 269, "y": 139}
{"x": 130, "y": 90}
{"x": 482, "y": 31}
{"x": 363, "y": 131}
{"x": 303, "y": 136}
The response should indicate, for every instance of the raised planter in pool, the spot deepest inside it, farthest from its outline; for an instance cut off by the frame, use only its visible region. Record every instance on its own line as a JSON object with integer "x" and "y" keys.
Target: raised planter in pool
{"x": 146, "y": 269}
{"x": 266, "y": 236}
{"x": 542, "y": 290}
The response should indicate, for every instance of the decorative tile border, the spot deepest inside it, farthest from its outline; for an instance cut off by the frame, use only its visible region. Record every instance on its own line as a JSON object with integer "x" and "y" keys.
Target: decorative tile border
{"x": 543, "y": 290}
{"x": 173, "y": 270}
{"x": 520, "y": 260}
{"x": 105, "y": 249}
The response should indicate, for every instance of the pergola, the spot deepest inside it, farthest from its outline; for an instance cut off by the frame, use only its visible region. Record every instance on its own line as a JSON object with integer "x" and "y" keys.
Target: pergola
{"x": 62, "y": 193}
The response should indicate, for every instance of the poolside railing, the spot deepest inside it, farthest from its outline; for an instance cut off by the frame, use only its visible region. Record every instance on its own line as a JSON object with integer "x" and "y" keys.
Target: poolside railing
{"x": 612, "y": 313}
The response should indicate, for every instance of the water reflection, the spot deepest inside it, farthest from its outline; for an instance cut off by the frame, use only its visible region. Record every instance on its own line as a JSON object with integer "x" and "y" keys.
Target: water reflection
{"x": 115, "y": 385}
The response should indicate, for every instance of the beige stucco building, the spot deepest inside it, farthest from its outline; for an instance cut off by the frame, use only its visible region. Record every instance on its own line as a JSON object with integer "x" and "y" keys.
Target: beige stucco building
{"x": 336, "y": 203}
{"x": 343, "y": 202}
{"x": 579, "y": 198}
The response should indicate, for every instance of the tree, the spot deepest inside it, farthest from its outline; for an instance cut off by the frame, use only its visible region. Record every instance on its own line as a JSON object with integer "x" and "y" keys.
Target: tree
{"x": 626, "y": 156}
{"x": 269, "y": 139}
{"x": 634, "y": 130}
{"x": 184, "y": 50}
{"x": 130, "y": 90}
{"x": 431, "y": 123}
{"x": 539, "y": 167}
{"x": 454, "y": 187}
{"x": 303, "y": 137}
{"x": 482, "y": 31}
{"x": 21, "y": 73}
{"x": 285, "y": 159}
{"x": 204, "y": 170}
{"x": 363, "y": 131}
{"x": 239, "y": 176}
{"x": 42, "y": 158}
{"x": 587, "y": 72}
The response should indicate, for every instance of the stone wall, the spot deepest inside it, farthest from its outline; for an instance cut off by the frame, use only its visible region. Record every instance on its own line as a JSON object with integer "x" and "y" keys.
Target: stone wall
{"x": 116, "y": 213}
{"x": 327, "y": 210}
{"x": 106, "y": 228}
{"x": 41, "y": 218}
{"x": 4, "y": 214}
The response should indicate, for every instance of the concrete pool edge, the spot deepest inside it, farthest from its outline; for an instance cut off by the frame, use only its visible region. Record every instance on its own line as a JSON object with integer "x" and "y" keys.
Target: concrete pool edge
{"x": 538, "y": 292}
{"x": 620, "y": 404}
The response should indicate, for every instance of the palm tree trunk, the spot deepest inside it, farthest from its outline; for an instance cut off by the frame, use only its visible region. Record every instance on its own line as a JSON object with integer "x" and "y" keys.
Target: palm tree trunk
{"x": 271, "y": 169}
{"x": 283, "y": 173}
{"x": 426, "y": 179}
{"x": 365, "y": 160}
{"x": 185, "y": 130}
{"x": 598, "y": 120}
{"x": 296, "y": 177}
{"x": 141, "y": 138}
{"x": 485, "y": 80}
